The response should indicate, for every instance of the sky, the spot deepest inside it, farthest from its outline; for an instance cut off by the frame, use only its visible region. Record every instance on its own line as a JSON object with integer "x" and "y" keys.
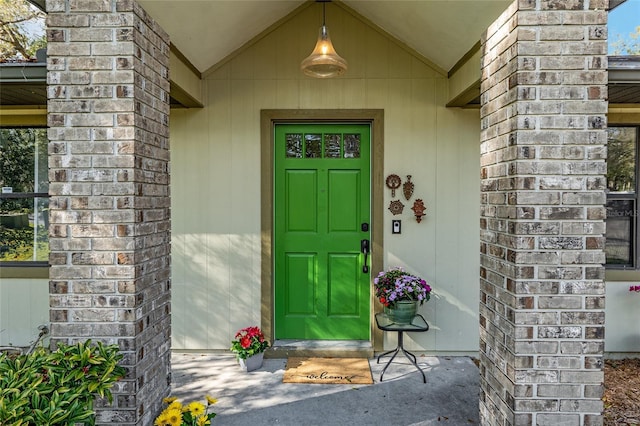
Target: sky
{"x": 35, "y": 28}
{"x": 624, "y": 19}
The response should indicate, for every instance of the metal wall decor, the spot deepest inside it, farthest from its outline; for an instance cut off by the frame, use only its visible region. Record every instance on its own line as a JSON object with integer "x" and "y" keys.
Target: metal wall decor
{"x": 393, "y": 182}
{"x": 396, "y": 207}
{"x": 418, "y": 208}
{"x": 407, "y": 188}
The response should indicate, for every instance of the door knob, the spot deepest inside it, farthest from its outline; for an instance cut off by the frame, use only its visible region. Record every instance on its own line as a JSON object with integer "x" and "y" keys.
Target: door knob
{"x": 364, "y": 248}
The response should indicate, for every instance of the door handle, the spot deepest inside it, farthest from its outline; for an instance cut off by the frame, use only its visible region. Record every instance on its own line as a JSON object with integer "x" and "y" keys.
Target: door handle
{"x": 364, "y": 248}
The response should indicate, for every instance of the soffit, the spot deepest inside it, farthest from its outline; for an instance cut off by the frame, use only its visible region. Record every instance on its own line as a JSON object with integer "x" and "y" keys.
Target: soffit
{"x": 624, "y": 79}
{"x": 26, "y": 84}
{"x": 23, "y": 83}
{"x": 207, "y": 31}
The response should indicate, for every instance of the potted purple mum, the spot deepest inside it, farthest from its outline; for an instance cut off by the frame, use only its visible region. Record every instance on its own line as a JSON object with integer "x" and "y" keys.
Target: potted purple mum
{"x": 400, "y": 293}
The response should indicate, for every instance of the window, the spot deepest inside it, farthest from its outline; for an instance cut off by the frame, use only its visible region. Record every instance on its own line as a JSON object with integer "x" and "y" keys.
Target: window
{"x": 24, "y": 201}
{"x": 622, "y": 197}
{"x": 333, "y": 147}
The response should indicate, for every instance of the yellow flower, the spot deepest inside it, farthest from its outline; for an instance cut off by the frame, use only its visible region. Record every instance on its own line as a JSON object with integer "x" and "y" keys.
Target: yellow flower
{"x": 173, "y": 414}
{"x": 169, "y": 400}
{"x": 196, "y": 408}
{"x": 203, "y": 421}
{"x": 174, "y": 417}
{"x": 175, "y": 405}
{"x": 161, "y": 420}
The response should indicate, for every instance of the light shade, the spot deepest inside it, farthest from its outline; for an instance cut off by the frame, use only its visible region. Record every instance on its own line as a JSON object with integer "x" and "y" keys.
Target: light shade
{"x": 323, "y": 62}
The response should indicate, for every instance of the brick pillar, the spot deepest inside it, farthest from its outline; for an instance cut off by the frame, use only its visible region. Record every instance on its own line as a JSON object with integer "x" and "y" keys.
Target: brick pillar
{"x": 108, "y": 114}
{"x": 542, "y": 220}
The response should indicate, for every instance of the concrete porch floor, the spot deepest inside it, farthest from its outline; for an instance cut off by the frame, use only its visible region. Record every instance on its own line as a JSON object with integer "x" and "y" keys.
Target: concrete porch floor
{"x": 450, "y": 395}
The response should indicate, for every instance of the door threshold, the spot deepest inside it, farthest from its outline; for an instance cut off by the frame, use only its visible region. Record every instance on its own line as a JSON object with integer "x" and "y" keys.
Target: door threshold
{"x": 320, "y": 348}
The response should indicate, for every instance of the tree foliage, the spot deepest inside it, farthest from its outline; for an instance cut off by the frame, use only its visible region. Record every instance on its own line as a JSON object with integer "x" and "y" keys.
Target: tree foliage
{"x": 18, "y": 22}
{"x": 629, "y": 45}
{"x": 621, "y": 159}
{"x": 18, "y": 149}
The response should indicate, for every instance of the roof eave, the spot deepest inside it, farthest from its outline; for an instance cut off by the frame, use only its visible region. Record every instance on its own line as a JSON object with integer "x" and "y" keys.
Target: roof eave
{"x": 40, "y": 4}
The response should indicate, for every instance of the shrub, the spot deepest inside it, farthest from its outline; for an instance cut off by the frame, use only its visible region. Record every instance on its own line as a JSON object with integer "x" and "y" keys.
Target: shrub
{"x": 57, "y": 388}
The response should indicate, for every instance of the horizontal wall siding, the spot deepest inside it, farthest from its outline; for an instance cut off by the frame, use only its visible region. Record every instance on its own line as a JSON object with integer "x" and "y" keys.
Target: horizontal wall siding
{"x": 622, "y": 317}
{"x": 216, "y": 197}
{"x": 24, "y": 305}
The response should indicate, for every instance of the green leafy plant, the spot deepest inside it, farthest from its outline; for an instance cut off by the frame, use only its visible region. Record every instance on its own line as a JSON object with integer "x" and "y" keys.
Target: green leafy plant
{"x": 57, "y": 388}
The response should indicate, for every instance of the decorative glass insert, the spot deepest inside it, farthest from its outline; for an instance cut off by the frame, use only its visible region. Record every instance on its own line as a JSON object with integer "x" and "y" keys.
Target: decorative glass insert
{"x": 351, "y": 145}
{"x": 332, "y": 145}
{"x": 621, "y": 159}
{"x": 318, "y": 145}
{"x": 313, "y": 145}
{"x": 621, "y": 215}
{"x": 294, "y": 145}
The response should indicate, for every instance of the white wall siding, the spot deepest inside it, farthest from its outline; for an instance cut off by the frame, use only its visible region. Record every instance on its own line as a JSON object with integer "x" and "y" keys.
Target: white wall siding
{"x": 24, "y": 305}
{"x": 216, "y": 199}
{"x": 622, "y": 319}
{"x": 457, "y": 236}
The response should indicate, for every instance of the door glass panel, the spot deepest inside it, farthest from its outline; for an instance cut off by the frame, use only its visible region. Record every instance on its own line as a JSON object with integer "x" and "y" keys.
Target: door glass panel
{"x": 351, "y": 145}
{"x": 313, "y": 146}
{"x": 332, "y": 146}
{"x": 619, "y": 243}
{"x": 621, "y": 159}
{"x": 294, "y": 145}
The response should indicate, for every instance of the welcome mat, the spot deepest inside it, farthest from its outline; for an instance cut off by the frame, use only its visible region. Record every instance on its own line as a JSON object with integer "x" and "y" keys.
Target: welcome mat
{"x": 337, "y": 371}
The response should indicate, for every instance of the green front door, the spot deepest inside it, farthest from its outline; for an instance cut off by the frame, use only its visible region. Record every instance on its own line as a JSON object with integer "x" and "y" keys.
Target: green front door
{"x": 321, "y": 215}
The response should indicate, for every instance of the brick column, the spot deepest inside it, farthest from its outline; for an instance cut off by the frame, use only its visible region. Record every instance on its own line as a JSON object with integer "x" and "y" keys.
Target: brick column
{"x": 108, "y": 114}
{"x": 542, "y": 221}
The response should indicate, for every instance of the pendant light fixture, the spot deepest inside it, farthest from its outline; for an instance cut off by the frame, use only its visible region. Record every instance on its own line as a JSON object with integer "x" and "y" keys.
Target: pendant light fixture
{"x": 323, "y": 62}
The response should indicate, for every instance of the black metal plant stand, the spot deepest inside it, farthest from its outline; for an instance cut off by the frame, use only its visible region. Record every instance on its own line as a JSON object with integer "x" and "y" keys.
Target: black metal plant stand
{"x": 418, "y": 324}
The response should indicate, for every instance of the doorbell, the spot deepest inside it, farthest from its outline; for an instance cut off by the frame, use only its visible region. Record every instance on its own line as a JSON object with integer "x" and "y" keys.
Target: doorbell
{"x": 396, "y": 226}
